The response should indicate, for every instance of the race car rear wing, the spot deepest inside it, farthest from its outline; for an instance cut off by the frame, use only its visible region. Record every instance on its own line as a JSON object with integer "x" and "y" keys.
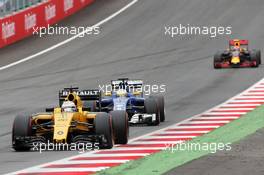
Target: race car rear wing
{"x": 129, "y": 85}
{"x": 237, "y": 42}
{"x": 85, "y": 95}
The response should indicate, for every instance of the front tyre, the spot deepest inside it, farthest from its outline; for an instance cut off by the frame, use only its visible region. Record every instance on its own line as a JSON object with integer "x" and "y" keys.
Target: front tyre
{"x": 151, "y": 107}
{"x": 160, "y": 102}
{"x": 254, "y": 57}
{"x": 258, "y": 53}
{"x": 103, "y": 126}
{"x": 21, "y": 128}
{"x": 120, "y": 126}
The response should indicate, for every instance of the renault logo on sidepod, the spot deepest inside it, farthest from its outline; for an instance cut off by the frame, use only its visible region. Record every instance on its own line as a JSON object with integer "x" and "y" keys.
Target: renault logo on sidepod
{"x": 60, "y": 132}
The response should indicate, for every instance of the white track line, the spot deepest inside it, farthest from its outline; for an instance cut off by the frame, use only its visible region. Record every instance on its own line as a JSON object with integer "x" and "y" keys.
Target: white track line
{"x": 252, "y": 94}
{"x": 58, "y": 170}
{"x": 70, "y": 39}
{"x": 245, "y": 108}
{"x": 209, "y": 121}
{"x": 221, "y": 118}
{"x": 112, "y": 155}
{"x": 92, "y": 161}
{"x": 197, "y": 127}
{"x": 175, "y": 134}
{"x": 239, "y": 105}
{"x": 248, "y": 101}
{"x": 185, "y": 132}
{"x": 225, "y": 113}
{"x": 250, "y": 97}
{"x": 232, "y": 109}
{"x": 157, "y": 142}
{"x": 139, "y": 148}
{"x": 255, "y": 91}
{"x": 168, "y": 137}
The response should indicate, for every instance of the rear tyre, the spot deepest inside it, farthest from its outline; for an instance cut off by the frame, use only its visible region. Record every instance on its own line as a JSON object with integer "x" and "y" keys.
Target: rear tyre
{"x": 217, "y": 60}
{"x": 103, "y": 126}
{"x": 151, "y": 107}
{"x": 21, "y": 128}
{"x": 120, "y": 126}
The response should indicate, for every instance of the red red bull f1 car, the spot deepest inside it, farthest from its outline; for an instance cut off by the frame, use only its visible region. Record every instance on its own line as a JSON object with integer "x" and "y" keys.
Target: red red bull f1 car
{"x": 237, "y": 55}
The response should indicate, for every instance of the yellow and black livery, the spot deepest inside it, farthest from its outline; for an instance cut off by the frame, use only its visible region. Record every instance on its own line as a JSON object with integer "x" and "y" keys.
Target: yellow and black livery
{"x": 85, "y": 124}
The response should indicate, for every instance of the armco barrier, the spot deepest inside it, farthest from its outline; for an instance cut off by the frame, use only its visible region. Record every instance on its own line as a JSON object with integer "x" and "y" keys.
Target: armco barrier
{"x": 20, "y": 25}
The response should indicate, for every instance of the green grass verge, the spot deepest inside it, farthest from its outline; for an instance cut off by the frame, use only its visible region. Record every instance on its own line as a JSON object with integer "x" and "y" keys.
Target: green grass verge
{"x": 164, "y": 161}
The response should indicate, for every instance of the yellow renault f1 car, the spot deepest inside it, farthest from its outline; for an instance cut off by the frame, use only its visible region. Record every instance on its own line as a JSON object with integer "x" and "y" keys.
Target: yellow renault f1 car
{"x": 237, "y": 55}
{"x": 71, "y": 122}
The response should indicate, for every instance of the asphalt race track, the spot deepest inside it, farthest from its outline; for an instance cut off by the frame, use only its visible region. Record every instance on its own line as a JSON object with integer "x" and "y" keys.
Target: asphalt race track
{"x": 132, "y": 45}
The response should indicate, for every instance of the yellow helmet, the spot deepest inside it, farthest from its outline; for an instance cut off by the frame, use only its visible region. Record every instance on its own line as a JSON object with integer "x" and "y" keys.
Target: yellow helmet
{"x": 121, "y": 93}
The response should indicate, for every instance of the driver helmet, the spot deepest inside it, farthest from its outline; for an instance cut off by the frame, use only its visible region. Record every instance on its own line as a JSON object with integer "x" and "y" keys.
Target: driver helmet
{"x": 121, "y": 93}
{"x": 68, "y": 106}
{"x": 236, "y": 48}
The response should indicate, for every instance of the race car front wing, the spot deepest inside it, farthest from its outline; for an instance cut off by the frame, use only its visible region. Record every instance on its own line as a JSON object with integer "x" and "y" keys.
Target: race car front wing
{"x": 143, "y": 119}
{"x": 240, "y": 65}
